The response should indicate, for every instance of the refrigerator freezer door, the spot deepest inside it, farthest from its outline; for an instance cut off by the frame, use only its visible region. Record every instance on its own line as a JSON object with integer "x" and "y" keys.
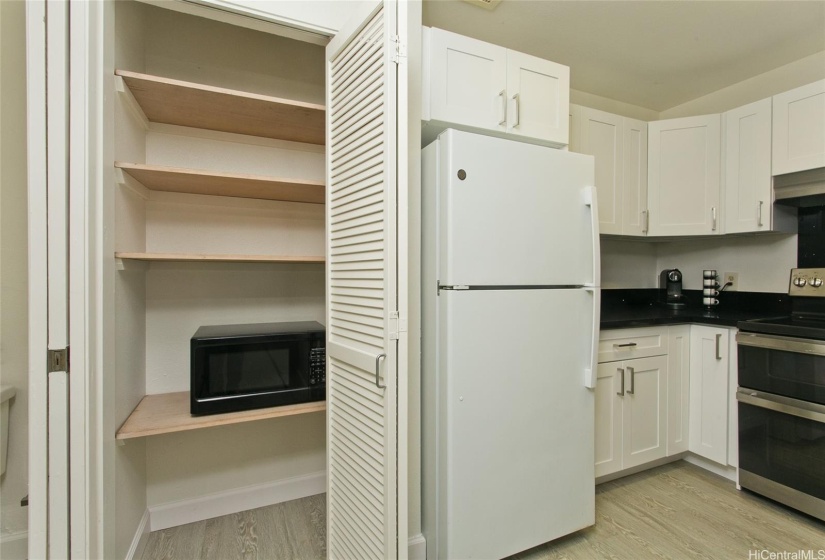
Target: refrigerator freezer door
{"x": 513, "y": 213}
{"x": 516, "y": 461}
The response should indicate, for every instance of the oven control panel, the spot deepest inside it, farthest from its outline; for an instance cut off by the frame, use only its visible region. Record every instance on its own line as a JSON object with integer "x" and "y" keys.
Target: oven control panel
{"x": 807, "y": 282}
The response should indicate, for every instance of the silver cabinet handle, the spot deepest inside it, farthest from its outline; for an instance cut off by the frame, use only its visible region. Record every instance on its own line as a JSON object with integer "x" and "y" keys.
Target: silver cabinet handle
{"x": 718, "y": 345}
{"x": 759, "y": 213}
{"x": 645, "y": 220}
{"x": 621, "y": 370}
{"x": 378, "y": 359}
{"x": 713, "y": 217}
{"x": 518, "y": 111}
{"x": 632, "y": 380}
{"x": 625, "y": 345}
{"x": 502, "y": 108}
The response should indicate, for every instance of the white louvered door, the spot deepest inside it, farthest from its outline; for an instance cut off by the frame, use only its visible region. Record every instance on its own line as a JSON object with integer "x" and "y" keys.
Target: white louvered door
{"x": 366, "y": 502}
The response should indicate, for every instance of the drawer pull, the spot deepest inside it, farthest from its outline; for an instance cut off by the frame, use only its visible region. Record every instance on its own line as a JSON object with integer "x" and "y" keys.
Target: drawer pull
{"x": 625, "y": 345}
{"x": 621, "y": 371}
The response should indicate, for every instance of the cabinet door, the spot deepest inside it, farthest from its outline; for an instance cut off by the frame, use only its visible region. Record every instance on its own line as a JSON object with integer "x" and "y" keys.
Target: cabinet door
{"x": 634, "y": 182}
{"x": 747, "y": 173}
{"x": 709, "y": 392}
{"x": 678, "y": 388}
{"x": 644, "y": 422}
{"x": 608, "y": 430}
{"x": 799, "y": 129}
{"x": 683, "y": 176}
{"x": 600, "y": 136}
{"x": 468, "y": 81}
{"x": 538, "y": 94}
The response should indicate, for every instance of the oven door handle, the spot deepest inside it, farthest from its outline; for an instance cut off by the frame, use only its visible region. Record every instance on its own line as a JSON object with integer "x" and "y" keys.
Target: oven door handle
{"x": 782, "y": 343}
{"x": 785, "y": 405}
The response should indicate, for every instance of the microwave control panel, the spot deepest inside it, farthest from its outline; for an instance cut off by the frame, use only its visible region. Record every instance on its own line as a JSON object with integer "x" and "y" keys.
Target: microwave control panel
{"x": 317, "y": 366}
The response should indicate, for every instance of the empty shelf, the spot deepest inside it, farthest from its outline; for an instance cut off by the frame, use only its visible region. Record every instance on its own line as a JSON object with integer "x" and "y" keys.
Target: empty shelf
{"x": 198, "y": 257}
{"x": 168, "y": 101}
{"x": 196, "y": 181}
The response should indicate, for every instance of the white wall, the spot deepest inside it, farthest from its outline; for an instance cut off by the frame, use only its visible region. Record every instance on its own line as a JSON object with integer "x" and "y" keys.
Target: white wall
{"x": 628, "y": 263}
{"x": 763, "y": 262}
{"x": 13, "y": 261}
{"x": 612, "y": 106}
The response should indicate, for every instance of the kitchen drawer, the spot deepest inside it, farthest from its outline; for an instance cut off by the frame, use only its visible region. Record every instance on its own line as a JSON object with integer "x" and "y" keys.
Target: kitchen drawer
{"x": 627, "y": 344}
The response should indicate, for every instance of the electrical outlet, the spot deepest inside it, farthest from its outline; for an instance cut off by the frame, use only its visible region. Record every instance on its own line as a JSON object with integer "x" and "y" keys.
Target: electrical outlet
{"x": 733, "y": 278}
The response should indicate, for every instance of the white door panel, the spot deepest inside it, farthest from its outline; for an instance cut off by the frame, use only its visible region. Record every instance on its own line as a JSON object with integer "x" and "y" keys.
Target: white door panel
{"x": 518, "y": 217}
{"x": 519, "y": 420}
{"x": 608, "y": 428}
{"x": 539, "y": 93}
{"x": 365, "y": 378}
{"x": 645, "y": 408}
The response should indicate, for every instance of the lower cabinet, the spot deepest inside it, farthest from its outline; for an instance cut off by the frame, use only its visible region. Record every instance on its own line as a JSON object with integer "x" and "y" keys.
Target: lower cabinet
{"x": 709, "y": 388}
{"x": 680, "y": 399}
{"x": 631, "y": 413}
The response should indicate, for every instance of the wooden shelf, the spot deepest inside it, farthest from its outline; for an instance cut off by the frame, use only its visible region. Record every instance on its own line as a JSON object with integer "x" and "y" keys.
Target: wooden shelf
{"x": 196, "y": 257}
{"x": 168, "y": 413}
{"x": 168, "y": 101}
{"x": 196, "y": 181}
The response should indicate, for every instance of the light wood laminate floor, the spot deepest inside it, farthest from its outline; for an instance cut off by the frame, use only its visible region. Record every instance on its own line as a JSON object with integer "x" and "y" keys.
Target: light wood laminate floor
{"x": 674, "y": 511}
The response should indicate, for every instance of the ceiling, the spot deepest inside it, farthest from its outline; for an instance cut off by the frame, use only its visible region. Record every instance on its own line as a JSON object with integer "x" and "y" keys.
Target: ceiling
{"x": 654, "y": 54}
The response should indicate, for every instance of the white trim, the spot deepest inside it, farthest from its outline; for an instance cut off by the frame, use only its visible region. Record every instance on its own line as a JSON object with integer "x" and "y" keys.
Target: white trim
{"x": 249, "y": 18}
{"x": 417, "y": 547}
{"x": 639, "y": 468}
{"x": 14, "y": 546}
{"x": 140, "y": 539}
{"x": 181, "y": 512}
{"x": 38, "y": 289}
{"x": 724, "y": 471}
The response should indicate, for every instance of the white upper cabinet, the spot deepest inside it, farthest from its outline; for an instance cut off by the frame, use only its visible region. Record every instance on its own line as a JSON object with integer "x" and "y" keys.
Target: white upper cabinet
{"x": 600, "y": 135}
{"x": 799, "y": 129}
{"x": 539, "y": 97}
{"x": 747, "y": 169}
{"x": 468, "y": 81}
{"x": 683, "y": 176}
{"x": 619, "y": 146}
{"x": 476, "y": 86}
{"x": 634, "y": 200}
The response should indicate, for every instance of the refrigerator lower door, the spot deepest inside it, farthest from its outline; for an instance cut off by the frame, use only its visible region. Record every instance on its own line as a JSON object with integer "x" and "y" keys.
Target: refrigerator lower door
{"x": 516, "y": 420}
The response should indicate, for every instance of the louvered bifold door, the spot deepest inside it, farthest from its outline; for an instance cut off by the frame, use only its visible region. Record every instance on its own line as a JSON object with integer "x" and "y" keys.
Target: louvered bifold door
{"x": 362, "y": 520}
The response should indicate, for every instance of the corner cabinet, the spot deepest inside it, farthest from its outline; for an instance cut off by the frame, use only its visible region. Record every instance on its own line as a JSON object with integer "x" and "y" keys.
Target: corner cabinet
{"x": 481, "y": 87}
{"x": 709, "y": 390}
{"x": 684, "y": 159}
{"x": 799, "y": 129}
{"x": 619, "y": 145}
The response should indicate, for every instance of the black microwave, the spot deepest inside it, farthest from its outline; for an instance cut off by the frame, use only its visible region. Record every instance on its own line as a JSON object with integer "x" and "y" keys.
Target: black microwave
{"x": 242, "y": 367}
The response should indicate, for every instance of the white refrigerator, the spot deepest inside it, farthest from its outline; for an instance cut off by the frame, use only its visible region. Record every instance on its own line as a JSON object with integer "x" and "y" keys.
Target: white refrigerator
{"x": 510, "y": 319}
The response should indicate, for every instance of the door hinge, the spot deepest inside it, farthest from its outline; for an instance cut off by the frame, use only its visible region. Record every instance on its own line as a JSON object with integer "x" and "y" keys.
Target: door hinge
{"x": 58, "y": 360}
{"x": 398, "y": 325}
{"x": 399, "y": 49}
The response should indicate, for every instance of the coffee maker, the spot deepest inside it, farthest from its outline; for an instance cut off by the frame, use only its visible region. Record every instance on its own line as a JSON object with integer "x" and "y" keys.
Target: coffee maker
{"x": 670, "y": 280}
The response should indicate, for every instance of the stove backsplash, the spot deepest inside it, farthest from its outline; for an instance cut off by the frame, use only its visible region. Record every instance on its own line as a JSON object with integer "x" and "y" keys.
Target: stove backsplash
{"x": 811, "y": 239}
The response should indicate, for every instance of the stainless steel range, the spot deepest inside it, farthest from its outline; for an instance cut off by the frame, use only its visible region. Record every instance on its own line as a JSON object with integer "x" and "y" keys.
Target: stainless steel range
{"x": 782, "y": 399}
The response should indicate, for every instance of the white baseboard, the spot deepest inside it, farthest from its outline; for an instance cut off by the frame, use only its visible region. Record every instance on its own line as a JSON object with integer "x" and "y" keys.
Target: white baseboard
{"x": 140, "y": 539}
{"x": 417, "y": 547}
{"x": 14, "y": 546}
{"x": 181, "y": 512}
{"x": 722, "y": 470}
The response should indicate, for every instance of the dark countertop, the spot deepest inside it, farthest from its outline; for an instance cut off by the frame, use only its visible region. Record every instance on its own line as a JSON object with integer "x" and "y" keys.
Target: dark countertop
{"x": 628, "y": 308}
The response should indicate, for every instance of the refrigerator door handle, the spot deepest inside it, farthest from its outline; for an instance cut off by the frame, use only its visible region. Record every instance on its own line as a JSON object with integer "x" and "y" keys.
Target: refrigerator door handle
{"x": 590, "y": 373}
{"x": 591, "y": 200}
